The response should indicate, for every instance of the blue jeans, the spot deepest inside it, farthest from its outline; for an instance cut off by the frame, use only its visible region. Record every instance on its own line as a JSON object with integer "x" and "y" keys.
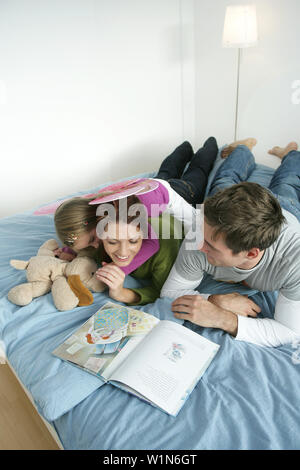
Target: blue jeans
{"x": 285, "y": 184}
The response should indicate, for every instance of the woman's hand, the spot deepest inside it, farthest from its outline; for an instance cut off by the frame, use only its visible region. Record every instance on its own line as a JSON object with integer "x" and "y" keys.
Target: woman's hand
{"x": 113, "y": 277}
{"x": 237, "y": 303}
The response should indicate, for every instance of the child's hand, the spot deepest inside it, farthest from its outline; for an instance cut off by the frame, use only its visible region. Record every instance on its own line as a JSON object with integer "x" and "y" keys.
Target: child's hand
{"x": 113, "y": 277}
{"x": 59, "y": 253}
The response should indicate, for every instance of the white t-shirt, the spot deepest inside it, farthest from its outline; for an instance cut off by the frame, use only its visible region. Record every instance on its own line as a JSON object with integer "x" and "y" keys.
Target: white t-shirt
{"x": 278, "y": 270}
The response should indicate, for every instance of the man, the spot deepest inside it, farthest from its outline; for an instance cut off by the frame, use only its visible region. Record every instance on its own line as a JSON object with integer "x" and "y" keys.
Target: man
{"x": 248, "y": 237}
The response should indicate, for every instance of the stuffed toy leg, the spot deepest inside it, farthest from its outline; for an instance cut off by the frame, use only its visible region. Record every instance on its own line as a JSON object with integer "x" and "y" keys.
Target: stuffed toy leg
{"x": 63, "y": 297}
{"x": 23, "y": 294}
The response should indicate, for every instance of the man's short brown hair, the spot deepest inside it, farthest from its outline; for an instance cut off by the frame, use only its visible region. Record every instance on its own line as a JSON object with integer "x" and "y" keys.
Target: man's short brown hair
{"x": 247, "y": 214}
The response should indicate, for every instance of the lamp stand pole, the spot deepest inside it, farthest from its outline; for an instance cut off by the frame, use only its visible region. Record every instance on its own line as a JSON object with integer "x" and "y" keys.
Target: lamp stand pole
{"x": 237, "y": 94}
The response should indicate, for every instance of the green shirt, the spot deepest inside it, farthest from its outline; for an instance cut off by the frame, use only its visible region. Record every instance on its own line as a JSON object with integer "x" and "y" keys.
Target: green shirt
{"x": 156, "y": 269}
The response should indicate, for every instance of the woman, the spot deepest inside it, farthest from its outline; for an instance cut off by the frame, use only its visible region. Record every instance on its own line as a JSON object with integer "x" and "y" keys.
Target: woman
{"x": 124, "y": 244}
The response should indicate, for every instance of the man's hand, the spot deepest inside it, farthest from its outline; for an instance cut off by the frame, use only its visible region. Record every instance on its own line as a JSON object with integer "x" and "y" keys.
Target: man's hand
{"x": 204, "y": 313}
{"x": 236, "y": 303}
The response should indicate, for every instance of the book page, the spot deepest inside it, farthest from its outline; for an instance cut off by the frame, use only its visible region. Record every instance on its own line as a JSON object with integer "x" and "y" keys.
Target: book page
{"x": 139, "y": 325}
{"x": 166, "y": 365}
{"x": 102, "y": 343}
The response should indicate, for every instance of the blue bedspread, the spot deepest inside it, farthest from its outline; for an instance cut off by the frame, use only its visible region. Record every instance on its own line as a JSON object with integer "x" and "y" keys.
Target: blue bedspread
{"x": 247, "y": 399}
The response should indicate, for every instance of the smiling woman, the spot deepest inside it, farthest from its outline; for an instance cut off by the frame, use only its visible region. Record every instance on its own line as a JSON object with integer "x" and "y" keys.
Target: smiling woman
{"x": 122, "y": 243}
{"x": 121, "y": 236}
{"x": 123, "y": 240}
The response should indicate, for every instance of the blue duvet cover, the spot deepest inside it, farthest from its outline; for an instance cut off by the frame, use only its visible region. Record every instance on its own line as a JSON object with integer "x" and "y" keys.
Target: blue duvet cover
{"x": 247, "y": 399}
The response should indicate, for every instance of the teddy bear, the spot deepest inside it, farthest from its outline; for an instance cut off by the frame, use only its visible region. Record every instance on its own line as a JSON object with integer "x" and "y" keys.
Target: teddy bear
{"x": 69, "y": 281}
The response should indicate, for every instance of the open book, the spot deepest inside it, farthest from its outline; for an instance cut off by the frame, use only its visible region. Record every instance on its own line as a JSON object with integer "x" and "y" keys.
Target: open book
{"x": 156, "y": 360}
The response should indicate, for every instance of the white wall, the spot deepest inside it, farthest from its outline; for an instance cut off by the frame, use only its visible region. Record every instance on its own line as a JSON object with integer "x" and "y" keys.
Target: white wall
{"x": 90, "y": 91}
{"x": 268, "y": 71}
{"x": 94, "y": 90}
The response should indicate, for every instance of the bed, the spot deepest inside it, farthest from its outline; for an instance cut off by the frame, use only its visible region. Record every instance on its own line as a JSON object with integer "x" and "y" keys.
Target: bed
{"x": 247, "y": 399}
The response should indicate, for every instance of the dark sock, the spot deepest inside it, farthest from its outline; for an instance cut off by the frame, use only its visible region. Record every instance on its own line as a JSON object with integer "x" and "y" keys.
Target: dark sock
{"x": 205, "y": 157}
{"x": 174, "y": 165}
{"x": 199, "y": 168}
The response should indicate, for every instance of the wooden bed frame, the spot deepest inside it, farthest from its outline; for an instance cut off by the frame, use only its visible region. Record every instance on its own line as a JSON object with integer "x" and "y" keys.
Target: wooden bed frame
{"x": 51, "y": 429}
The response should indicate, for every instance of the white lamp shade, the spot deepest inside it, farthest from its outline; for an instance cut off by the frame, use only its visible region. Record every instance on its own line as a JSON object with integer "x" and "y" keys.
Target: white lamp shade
{"x": 240, "y": 26}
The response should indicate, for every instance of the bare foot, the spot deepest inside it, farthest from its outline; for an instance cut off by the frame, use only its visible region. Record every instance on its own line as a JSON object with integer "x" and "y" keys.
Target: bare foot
{"x": 281, "y": 152}
{"x": 250, "y": 142}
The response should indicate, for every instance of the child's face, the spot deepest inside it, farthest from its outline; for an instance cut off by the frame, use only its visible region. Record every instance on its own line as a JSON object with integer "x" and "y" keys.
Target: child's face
{"x": 87, "y": 239}
{"x": 122, "y": 242}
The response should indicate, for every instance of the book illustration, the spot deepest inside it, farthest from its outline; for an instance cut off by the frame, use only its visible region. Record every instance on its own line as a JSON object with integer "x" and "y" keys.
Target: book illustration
{"x": 109, "y": 326}
{"x": 102, "y": 337}
{"x": 125, "y": 189}
{"x": 175, "y": 352}
{"x": 114, "y": 318}
{"x": 140, "y": 322}
{"x": 95, "y": 364}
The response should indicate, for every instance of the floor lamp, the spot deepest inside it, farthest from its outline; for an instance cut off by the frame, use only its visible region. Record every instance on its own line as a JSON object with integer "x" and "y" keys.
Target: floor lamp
{"x": 240, "y": 31}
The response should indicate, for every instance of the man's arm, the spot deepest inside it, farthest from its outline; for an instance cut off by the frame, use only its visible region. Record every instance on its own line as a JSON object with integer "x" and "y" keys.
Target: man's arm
{"x": 186, "y": 274}
{"x": 177, "y": 285}
{"x": 285, "y": 328}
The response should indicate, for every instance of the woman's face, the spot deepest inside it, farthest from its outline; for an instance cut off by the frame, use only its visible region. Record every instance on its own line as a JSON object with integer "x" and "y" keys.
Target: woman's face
{"x": 122, "y": 242}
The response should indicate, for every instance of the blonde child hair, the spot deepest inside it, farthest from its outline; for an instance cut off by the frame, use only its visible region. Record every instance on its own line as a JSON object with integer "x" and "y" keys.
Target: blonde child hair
{"x": 73, "y": 218}
{"x": 76, "y": 217}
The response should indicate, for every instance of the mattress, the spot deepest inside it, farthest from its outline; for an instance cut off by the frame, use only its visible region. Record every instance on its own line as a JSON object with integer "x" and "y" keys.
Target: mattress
{"x": 247, "y": 399}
